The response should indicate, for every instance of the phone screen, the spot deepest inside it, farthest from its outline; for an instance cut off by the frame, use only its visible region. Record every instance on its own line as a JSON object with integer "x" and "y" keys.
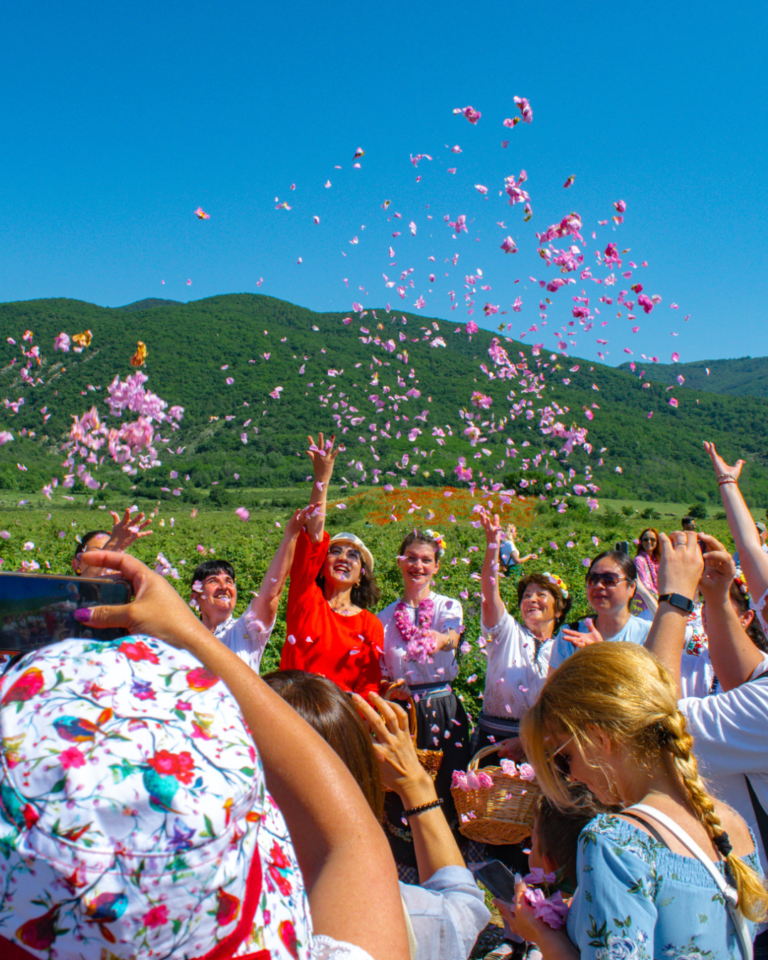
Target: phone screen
{"x": 38, "y": 610}
{"x": 499, "y": 880}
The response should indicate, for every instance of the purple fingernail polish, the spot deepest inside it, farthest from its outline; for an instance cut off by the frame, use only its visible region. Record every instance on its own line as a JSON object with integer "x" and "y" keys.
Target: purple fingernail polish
{"x": 82, "y": 615}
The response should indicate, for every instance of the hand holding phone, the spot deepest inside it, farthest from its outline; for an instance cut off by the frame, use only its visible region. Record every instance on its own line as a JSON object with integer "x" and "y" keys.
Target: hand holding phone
{"x": 38, "y": 610}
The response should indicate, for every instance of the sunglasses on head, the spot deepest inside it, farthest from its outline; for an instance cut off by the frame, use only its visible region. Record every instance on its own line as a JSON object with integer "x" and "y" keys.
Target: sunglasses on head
{"x": 607, "y": 579}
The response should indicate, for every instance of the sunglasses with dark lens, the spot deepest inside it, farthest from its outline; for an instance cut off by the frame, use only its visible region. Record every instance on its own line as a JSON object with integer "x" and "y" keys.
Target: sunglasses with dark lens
{"x": 648, "y": 540}
{"x": 607, "y": 579}
{"x": 561, "y": 761}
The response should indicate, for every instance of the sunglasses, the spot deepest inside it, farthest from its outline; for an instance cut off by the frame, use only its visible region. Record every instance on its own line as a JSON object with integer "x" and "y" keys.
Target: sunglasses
{"x": 649, "y": 540}
{"x": 561, "y": 762}
{"x": 607, "y": 579}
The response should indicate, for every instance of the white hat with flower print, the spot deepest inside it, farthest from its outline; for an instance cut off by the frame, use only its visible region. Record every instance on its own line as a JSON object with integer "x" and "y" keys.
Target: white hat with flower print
{"x": 134, "y": 817}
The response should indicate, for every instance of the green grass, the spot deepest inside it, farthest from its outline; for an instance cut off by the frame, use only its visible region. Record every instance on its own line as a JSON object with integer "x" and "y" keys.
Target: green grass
{"x": 52, "y": 528}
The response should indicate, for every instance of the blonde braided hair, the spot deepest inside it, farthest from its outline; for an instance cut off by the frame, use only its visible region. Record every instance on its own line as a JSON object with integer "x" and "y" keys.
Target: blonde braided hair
{"x": 623, "y": 690}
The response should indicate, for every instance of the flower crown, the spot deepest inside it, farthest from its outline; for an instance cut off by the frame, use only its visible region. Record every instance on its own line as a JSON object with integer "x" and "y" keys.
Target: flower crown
{"x": 553, "y": 578}
{"x": 741, "y": 583}
{"x": 439, "y": 539}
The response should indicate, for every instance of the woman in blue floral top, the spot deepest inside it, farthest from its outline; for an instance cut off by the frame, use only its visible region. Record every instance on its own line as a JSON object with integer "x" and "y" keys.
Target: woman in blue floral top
{"x": 608, "y": 718}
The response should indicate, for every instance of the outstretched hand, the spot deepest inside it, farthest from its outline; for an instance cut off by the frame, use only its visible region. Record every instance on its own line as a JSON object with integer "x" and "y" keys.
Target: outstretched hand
{"x": 323, "y": 456}
{"x": 492, "y": 526}
{"x": 579, "y": 639}
{"x": 128, "y": 530}
{"x": 298, "y": 520}
{"x": 721, "y": 467}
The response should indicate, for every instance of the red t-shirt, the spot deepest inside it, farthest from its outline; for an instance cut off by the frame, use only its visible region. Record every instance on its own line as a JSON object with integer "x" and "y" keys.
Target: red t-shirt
{"x": 344, "y": 649}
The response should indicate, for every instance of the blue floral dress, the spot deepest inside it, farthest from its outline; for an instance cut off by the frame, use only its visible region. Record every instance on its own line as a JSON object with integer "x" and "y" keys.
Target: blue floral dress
{"x": 637, "y": 900}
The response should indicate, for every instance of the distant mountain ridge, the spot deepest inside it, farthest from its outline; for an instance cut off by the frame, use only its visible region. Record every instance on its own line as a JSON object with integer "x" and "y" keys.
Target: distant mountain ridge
{"x": 745, "y": 377}
{"x": 256, "y": 375}
{"x": 151, "y": 303}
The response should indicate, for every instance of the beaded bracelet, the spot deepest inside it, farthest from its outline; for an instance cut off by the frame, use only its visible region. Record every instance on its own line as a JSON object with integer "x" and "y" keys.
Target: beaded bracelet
{"x": 422, "y": 808}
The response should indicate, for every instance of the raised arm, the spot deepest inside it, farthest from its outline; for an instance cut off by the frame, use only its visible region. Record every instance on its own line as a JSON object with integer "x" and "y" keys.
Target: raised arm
{"x": 323, "y": 456}
{"x": 753, "y": 561}
{"x": 264, "y": 604}
{"x": 340, "y": 847}
{"x": 492, "y": 606}
{"x": 679, "y": 572}
{"x": 124, "y": 533}
{"x": 433, "y": 841}
{"x": 732, "y": 652}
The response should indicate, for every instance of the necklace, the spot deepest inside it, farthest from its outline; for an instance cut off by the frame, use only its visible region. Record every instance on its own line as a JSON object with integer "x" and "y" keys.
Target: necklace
{"x": 420, "y": 644}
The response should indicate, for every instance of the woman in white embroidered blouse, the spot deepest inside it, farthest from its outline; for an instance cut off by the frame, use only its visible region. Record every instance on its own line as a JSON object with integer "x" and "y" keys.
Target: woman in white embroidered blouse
{"x": 518, "y": 654}
{"x": 422, "y": 632}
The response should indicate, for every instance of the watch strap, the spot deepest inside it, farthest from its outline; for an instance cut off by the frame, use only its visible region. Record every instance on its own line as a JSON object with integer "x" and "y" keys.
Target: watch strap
{"x": 677, "y": 600}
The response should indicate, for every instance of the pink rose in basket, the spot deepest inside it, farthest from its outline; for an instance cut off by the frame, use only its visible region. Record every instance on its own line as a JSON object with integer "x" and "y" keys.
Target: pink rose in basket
{"x": 509, "y": 767}
{"x": 459, "y": 780}
{"x": 484, "y": 779}
{"x": 526, "y": 772}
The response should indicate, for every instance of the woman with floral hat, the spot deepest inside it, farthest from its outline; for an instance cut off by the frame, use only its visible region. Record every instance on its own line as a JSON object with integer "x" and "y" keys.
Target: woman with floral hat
{"x": 422, "y": 632}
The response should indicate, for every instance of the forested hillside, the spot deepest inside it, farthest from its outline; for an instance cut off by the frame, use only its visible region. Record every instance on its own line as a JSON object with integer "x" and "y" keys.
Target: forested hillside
{"x": 745, "y": 377}
{"x": 256, "y": 374}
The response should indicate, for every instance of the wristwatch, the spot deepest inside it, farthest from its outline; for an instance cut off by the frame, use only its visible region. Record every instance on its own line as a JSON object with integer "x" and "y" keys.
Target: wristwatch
{"x": 677, "y": 600}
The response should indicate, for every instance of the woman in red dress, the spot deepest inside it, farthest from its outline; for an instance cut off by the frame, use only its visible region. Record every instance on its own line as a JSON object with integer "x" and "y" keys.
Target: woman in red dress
{"x": 329, "y": 629}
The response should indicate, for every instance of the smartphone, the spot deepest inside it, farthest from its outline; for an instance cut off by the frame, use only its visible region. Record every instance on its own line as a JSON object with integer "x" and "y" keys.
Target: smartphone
{"x": 498, "y": 879}
{"x": 38, "y": 610}
{"x": 622, "y": 546}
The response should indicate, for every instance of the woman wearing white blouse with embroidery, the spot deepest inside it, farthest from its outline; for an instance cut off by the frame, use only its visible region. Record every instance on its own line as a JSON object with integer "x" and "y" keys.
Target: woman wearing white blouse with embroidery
{"x": 518, "y": 654}
{"x": 421, "y": 634}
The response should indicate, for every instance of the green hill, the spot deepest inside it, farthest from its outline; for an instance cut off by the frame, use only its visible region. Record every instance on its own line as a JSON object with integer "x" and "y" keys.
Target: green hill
{"x": 745, "y": 377}
{"x": 329, "y": 372}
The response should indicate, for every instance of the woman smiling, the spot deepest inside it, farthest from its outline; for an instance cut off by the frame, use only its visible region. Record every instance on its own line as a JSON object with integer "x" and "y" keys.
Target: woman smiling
{"x": 421, "y": 634}
{"x": 328, "y": 627}
{"x": 611, "y": 585}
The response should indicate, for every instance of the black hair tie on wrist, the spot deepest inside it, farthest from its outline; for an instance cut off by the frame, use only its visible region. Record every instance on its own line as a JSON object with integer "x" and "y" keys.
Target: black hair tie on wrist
{"x": 723, "y": 844}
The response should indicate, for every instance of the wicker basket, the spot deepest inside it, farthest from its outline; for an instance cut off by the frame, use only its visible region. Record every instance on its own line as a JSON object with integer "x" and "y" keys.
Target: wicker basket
{"x": 503, "y": 813}
{"x": 429, "y": 759}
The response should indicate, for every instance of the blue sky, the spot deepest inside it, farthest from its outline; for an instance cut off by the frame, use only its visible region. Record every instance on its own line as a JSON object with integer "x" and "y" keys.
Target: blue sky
{"x": 120, "y": 119}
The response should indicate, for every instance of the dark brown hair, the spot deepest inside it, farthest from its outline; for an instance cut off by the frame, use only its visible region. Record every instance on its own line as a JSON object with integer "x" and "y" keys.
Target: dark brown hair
{"x": 739, "y": 596}
{"x": 622, "y": 560}
{"x": 418, "y": 536}
{"x": 365, "y": 594}
{"x": 329, "y": 711}
{"x": 562, "y": 604}
{"x": 558, "y": 830}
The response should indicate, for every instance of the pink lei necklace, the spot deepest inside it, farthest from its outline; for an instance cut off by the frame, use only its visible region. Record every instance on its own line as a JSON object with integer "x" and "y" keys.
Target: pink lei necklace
{"x": 420, "y": 643}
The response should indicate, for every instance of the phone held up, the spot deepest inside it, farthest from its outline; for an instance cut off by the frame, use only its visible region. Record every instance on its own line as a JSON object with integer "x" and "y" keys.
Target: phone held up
{"x": 38, "y": 610}
{"x": 498, "y": 879}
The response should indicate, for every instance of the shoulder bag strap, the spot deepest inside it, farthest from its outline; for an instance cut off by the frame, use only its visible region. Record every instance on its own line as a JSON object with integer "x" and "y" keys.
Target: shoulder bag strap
{"x": 728, "y": 892}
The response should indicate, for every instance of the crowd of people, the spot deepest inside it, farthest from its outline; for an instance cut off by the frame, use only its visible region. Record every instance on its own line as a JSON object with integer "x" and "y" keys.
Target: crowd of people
{"x": 159, "y": 797}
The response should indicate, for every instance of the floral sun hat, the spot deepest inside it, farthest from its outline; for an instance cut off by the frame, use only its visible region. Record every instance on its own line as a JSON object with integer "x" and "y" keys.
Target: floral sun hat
{"x": 134, "y": 816}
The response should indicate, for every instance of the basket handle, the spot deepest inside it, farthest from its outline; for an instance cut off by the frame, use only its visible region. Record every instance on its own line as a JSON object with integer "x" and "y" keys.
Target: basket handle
{"x": 486, "y": 751}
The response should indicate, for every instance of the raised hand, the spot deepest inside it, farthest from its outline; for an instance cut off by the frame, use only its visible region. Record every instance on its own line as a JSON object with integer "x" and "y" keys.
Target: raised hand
{"x": 128, "y": 530}
{"x": 721, "y": 467}
{"x": 578, "y": 639}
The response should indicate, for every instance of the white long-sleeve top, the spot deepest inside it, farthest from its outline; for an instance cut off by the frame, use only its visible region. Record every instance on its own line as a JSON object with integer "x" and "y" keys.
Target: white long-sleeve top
{"x": 730, "y": 734}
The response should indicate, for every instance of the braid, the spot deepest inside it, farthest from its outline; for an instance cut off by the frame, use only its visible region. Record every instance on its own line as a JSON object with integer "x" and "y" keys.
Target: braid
{"x": 680, "y": 744}
{"x": 753, "y": 896}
